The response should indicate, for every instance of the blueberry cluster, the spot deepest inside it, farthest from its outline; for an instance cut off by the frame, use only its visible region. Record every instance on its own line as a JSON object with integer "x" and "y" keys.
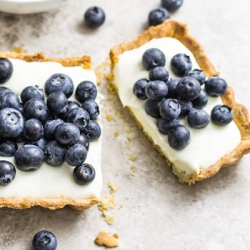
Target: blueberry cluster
{"x": 54, "y": 131}
{"x": 171, "y": 99}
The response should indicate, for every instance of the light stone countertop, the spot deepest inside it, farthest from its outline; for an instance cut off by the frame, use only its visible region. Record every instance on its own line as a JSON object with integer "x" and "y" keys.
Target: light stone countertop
{"x": 158, "y": 212}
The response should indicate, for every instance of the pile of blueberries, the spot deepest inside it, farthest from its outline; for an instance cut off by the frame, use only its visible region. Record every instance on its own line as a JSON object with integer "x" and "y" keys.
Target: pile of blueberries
{"x": 52, "y": 132}
{"x": 170, "y": 99}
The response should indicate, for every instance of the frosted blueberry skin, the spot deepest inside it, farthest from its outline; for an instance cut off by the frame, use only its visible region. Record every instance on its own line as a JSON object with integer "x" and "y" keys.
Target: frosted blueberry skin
{"x": 94, "y": 17}
{"x": 153, "y": 58}
{"x": 67, "y": 133}
{"x": 215, "y": 86}
{"x": 186, "y": 107}
{"x": 3, "y": 91}
{"x": 156, "y": 90}
{"x": 44, "y": 240}
{"x": 86, "y": 90}
{"x": 84, "y": 174}
{"x": 170, "y": 109}
{"x": 31, "y": 92}
{"x": 49, "y": 128}
{"x": 92, "y": 108}
{"x": 83, "y": 140}
{"x": 201, "y": 100}
{"x": 71, "y": 105}
{"x": 7, "y": 173}
{"x": 171, "y": 5}
{"x": 139, "y": 89}
{"x": 57, "y": 103}
{"x": 181, "y": 64}
{"x": 198, "y": 75}
{"x": 159, "y": 73}
{"x": 9, "y": 100}
{"x": 40, "y": 143}
{"x": 6, "y": 70}
{"x": 165, "y": 125}
{"x": 92, "y": 131}
{"x": 20, "y": 138}
{"x": 157, "y": 16}
{"x": 8, "y": 147}
{"x": 172, "y": 84}
{"x": 76, "y": 155}
{"x": 33, "y": 130}
{"x": 221, "y": 115}
{"x": 178, "y": 137}
{"x": 198, "y": 118}
{"x": 152, "y": 108}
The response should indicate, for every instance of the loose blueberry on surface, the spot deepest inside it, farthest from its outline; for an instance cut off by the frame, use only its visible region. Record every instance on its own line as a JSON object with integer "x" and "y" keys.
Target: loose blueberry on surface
{"x": 67, "y": 133}
{"x": 32, "y": 92}
{"x": 200, "y": 101}
{"x": 153, "y": 58}
{"x": 198, "y": 118}
{"x": 139, "y": 89}
{"x": 92, "y": 108}
{"x": 172, "y": 84}
{"x": 165, "y": 125}
{"x": 198, "y": 75}
{"x": 186, "y": 107}
{"x": 49, "y": 128}
{"x": 159, "y": 73}
{"x": 29, "y": 158}
{"x": 215, "y": 86}
{"x": 33, "y": 129}
{"x": 86, "y": 90}
{"x": 57, "y": 103}
{"x": 7, "y": 173}
{"x": 188, "y": 88}
{"x": 94, "y": 17}
{"x": 170, "y": 109}
{"x": 3, "y": 91}
{"x": 178, "y": 137}
{"x": 54, "y": 153}
{"x": 157, "y": 16}
{"x": 152, "y": 108}
{"x": 222, "y": 115}
{"x": 6, "y": 70}
{"x": 44, "y": 240}
{"x": 181, "y": 64}
{"x": 76, "y": 155}
{"x": 171, "y": 5}
{"x": 84, "y": 174}
{"x": 71, "y": 105}
{"x": 92, "y": 131}
{"x": 156, "y": 90}
{"x": 10, "y": 100}
{"x": 8, "y": 147}
{"x": 40, "y": 143}
{"x": 59, "y": 82}
{"x": 83, "y": 140}
{"x": 11, "y": 122}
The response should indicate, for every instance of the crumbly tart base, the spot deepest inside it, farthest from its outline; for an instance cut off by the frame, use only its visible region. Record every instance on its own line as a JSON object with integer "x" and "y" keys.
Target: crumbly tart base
{"x": 174, "y": 29}
{"x": 53, "y": 203}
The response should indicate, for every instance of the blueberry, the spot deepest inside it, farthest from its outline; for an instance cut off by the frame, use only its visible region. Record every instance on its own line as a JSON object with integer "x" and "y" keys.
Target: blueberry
{"x": 20, "y": 138}
{"x": 57, "y": 103}
{"x": 153, "y": 58}
{"x": 170, "y": 109}
{"x": 215, "y": 86}
{"x": 44, "y": 240}
{"x": 152, "y": 108}
{"x": 33, "y": 129}
{"x": 186, "y": 107}
{"x": 200, "y": 101}
{"x": 39, "y": 143}
{"x": 172, "y": 84}
{"x": 11, "y": 122}
{"x": 139, "y": 89}
{"x": 29, "y": 158}
{"x": 165, "y": 125}
{"x": 71, "y": 105}
{"x": 83, "y": 140}
{"x": 94, "y": 17}
{"x": 178, "y": 137}
{"x": 86, "y": 90}
{"x": 3, "y": 91}
{"x": 181, "y": 64}
{"x": 10, "y": 100}
{"x": 32, "y": 92}
{"x": 8, "y": 147}
{"x": 157, "y": 16}
{"x": 171, "y": 5}
{"x": 36, "y": 108}
{"x": 188, "y": 88}
{"x": 49, "y": 128}
{"x": 84, "y": 174}
{"x": 67, "y": 133}
{"x": 92, "y": 108}
{"x": 59, "y": 82}
{"x": 92, "y": 130}
{"x": 159, "y": 73}
{"x": 79, "y": 117}
{"x": 156, "y": 90}
{"x": 76, "y": 155}
{"x": 222, "y": 115}
{"x": 198, "y": 75}
{"x": 7, "y": 173}
{"x": 198, "y": 118}
{"x": 54, "y": 153}
{"x": 6, "y": 70}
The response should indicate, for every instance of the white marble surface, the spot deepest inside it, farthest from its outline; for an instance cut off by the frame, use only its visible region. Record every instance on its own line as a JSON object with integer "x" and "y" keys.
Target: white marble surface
{"x": 158, "y": 212}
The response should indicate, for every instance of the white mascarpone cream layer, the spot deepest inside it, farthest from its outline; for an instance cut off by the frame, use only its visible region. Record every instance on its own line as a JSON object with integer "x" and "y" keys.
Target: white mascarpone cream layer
{"x": 208, "y": 145}
{"x": 48, "y": 181}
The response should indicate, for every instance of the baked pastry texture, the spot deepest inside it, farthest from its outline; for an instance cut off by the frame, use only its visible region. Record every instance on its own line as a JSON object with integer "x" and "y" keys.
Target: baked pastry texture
{"x": 179, "y": 31}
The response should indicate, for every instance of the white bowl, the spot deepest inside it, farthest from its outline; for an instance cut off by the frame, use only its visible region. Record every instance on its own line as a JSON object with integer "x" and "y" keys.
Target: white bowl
{"x": 28, "y": 6}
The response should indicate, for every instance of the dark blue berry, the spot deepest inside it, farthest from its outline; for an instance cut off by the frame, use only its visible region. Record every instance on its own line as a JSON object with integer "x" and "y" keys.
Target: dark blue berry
{"x": 49, "y": 128}
{"x": 6, "y": 70}
{"x": 198, "y": 75}
{"x": 201, "y": 101}
{"x": 7, "y": 173}
{"x": 54, "y": 153}
{"x": 94, "y": 17}
{"x": 32, "y": 92}
{"x": 186, "y": 107}
{"x": 44, "y": 240}
{"x": 92, "y": 108}
{"x": 152, "y": 108}
{"x": 165, "y": 125}
{"x": 178, "y": 137}
{"x": 10, "y": 100}
{"x": 171, "y": 5}
{"x": 92, "y": 130}
{"x": 29, "y": 158}
{"x": 57, "y": 103}
{"x": 222, "y": 115}
{"x": 83, "y": 140}
{"x": 71, "y": 105}
{"x": 76, "y": 155}
{"x": 153, "y": 58}
{"x": 40, "y": 143}
{"x": 3, "y": 91}
{"x": 67, "y": 133}
{"x": 20, "y": 138}
{"x": 86, "y": 90}
{"x": 170, "y": 109}
{"x": 172, "y": 84}
{"x": 188, "y": 88}
{"x": 11, "y": 122}
{"x": 159, "y": 73}
{"x": 157, "y": 16}
{"x": 198, "y": 118}
{"x": 8, "y": 147}
{"x": 33, "y": 129}
{"x": 139, "y": 89}
{"x": 181, "y": 64}
{"x": 84, "y": 174}
{"x": 215, "y": 86}
{"x": 156, "y": 90}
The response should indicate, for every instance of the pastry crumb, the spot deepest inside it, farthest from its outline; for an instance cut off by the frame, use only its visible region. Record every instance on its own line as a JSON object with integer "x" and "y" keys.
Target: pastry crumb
{"x": 17, "y": 49}
{"x": 128, "y": 147}
{"x": 106, "y": 203}
{"x": 108, "y": 99}
{"x": 120, "y": 115}
{"x": 116, "y": 134}
{"x": 132, "y": 158}
{"x": 131, "y": 138}
{"x": 113, "y": 187}
{"x": 121, "y": 206}
{"x": 109, "y": 218}
{"x": 107, "y": 240}
{"x": 127, "y": 130}
{"x": 134, "y": 168}
{"x": 111, "y": 89}
{"x": 109, "y": 117}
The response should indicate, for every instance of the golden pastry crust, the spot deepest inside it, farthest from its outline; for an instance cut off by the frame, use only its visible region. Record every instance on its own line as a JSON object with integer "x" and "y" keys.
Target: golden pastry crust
{"x": 171, "y": 28}
{"x": 22, "y": 203}
{"x": 104, "y": 239}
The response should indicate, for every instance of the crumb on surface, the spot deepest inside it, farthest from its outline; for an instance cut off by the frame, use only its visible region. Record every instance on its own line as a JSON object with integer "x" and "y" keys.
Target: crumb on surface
{"x": 134, "y": 168}
{"x": 109, "y": 218}
{"x": 119, "y": 115}
{"x": 113, "y": 187}
{"x": 106, "y": 203}
{"x": 128, "y": 147}
{"x": 111, "y": 89}
{"x": 17, "y": 49}
{"x": 131, "y": 138}
{"x": 105, "y": 239}
{"x": 116, "y": 235}
{"x": 107, "y": 99}
{"x": 132, "y": 158}
{"x": 108, "y": 76}
{"x": 109, "y": 117}
{"x": 116, "y": 134}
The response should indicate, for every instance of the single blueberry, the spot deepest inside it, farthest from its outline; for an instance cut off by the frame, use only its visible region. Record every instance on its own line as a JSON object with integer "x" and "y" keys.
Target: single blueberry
{"x": 84, "y": 174}
{"x": 59, "y": 82}
{"x": 172, "y": 84}
{"x": 92, "y": 130}
{"x": 20, "y": 138}
{"x": 92, "y": 108}
{"x": 186, "y": 107}
{"x": 157, "y": 16}
{"x": 178, "y": 137}
{"x": 8, "y": 147}
{"x": 156, "y": 90}
{"x": 221, "y": 115}
{"x": 198, "y": 118}
{"x": 152, "y": 108}
{"x": 33, "y": 129}
{"x": 165, "y": 125}
{"x": 198, "y": 75}
{"x": 158, "y": 73}
{"x": 7, "y": 173}
{"x": 201, "y": 101}
{"x": 57, "y": 103}
{"x": 44, "y": 240}
{"x": 171, "y": 5}
{"x": 94, "y": 17}
{"x": 40, "y": 143}
{"x": 67, "y": 133}
{"x": 6, "y": 70}
{"x": 71, "y": 105}
{"x": 181, "y": 64}
{"x": 3, "y": 91}
{"x": 139, "y": 89}
{"x": 76, "y": 155}
{"x": 49, "y": 128}
{"x": 86, "y": 90}
{"x": 83, "y": 140}
{"x": 153, "y": 58}
{"x": 10, "y": 100}
{"x": 32, "y": 92}
{"x": 215, "y": 86}
{"x": 29, "y": 158}
{"x": 170, "y": 109}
